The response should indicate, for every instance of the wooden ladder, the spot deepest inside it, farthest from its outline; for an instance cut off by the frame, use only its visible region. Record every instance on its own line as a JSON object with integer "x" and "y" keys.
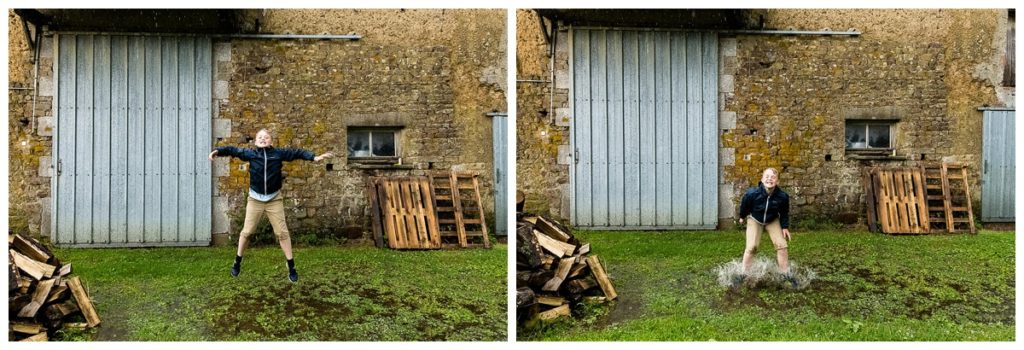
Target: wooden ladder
{"x": 949, "y": 197}
{"x": 459, "y": 210}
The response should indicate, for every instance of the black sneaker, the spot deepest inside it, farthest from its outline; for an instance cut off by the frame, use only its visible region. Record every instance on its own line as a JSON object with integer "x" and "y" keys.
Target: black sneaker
{"x": 293, "y": 276}
{"x": 738, "y": 280}
{"x": 235, "y": 270}
{"x": 792, "y": 280}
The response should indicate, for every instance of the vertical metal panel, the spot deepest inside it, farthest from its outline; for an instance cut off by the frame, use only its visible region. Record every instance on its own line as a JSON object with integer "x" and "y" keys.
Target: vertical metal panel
{"x": 186, "y": 206}
{"x": 663, "y": 129}
{"x": 204, "y": 139}
{"x": 122, "y": 180}
{"x": 152, "y": 150}
{"x": 169, "y": 136}
{"x": 616, "y": 147}
{"x": 645, "y": 106}
{"x": 998, "y": 166}
{"x": 136, "y": 140}
{"x": 64, "y": 214}
{"x": 581, "y": 115}
{"x": 709, "y": 144}
{"x": 631, "y": 129}
{"x": 599, "y": 129}
{"x": 647, "y": 128}
{"x": 679, "y": 129}
{"x": 499, "y": 125}
{"x": 83, "y": 140}
{"x": 101, "y": 141}
{"x": 119, "y": 139}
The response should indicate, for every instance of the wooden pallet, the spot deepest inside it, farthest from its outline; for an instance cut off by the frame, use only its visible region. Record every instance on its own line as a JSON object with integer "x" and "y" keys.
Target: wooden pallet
{"x": 460, "y": 212}
{"x": 949, "y": 197}
{"x": 897, "y": 199}
{"x": 404, "y": 213}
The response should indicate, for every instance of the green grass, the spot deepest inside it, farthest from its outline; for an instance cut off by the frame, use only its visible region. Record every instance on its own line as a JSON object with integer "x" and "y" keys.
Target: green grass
{"x": 869, "y": 287}
{"x": 343, "y": 293}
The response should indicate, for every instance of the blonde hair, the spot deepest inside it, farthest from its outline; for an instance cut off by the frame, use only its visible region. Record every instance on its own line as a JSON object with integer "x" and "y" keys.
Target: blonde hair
{"x": 776, "y": 171}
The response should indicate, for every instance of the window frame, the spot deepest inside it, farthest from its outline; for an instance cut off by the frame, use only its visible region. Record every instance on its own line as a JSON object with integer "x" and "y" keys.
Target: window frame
{"x": 395, "y": 131}
{"x": 867, "y": 124}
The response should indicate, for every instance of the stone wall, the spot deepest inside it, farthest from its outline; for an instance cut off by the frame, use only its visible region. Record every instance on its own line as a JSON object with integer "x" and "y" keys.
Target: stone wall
{"x": 785, "y": 99}
{"x": 436, "y": 73}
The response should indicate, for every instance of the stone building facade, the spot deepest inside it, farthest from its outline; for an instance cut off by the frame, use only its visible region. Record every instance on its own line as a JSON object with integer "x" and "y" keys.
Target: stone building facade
{"x": 428, "y": 76}
{"x": 785, "y": 100}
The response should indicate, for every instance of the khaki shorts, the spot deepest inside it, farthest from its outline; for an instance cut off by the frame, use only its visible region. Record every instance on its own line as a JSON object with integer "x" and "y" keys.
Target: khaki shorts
{"x": 275, "y": 212}
{"x": 774, "y": 228}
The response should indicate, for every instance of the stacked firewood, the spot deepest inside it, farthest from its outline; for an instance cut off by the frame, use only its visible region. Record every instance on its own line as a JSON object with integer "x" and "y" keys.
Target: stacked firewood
{"x": 43, "y": 297}
{"x": 554, "y": 272}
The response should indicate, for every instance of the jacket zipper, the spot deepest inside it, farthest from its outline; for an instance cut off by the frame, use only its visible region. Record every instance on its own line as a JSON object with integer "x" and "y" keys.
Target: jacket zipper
{"x": 265, "y": 171}
{"x": 765, "y": 220}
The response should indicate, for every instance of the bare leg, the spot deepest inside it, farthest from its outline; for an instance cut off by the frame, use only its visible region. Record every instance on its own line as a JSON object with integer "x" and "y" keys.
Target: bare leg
{"x": 783, "y": 255}
{"x": 748, "y": 259}
{"x": 241, "y": 244}
{"x": 286, "y": 246}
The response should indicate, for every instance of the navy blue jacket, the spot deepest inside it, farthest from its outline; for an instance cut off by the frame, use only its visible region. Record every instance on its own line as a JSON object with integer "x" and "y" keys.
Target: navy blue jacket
{"x": 765, "y": 208}
{"x": 265, "y": 164}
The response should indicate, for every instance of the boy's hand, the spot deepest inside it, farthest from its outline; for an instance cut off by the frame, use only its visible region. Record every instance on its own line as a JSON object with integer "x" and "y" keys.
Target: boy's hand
{"x": 785, "y": 233}
{"x": 323, "y": 156}
{"x": 213, "y": 154}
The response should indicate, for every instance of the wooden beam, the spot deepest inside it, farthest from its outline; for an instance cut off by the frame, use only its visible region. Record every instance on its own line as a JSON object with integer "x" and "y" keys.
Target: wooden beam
{"x": 33, "y": 268}
{"x": 602, "y": 277}
{"x": 88, "y": 310}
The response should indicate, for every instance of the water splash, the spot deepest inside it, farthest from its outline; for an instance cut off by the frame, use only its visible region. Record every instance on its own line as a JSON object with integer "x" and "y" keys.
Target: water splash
{"x": 763, "y": 271}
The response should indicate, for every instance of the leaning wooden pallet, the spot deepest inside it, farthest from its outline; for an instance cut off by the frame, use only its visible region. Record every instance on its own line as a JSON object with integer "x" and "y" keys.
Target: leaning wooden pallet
{"x": 460, "y": 209}
{"x": 899, "y": 197}
{"x": 404, "y": 212}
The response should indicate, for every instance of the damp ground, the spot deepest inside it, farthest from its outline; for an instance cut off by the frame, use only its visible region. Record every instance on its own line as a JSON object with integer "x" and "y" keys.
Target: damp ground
{"x": 344, "y": 293}
{"x": 851, "y": 286}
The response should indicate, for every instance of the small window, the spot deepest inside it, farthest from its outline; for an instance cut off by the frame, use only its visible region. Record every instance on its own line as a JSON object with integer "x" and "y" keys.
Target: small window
{"x": 367, "y": 143}
{"x": 869, "y": 135}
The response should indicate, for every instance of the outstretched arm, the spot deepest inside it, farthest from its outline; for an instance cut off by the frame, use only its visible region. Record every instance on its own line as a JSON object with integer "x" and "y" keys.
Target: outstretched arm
{"x": 323, "y": 156}
{"x": 227, "y": 151}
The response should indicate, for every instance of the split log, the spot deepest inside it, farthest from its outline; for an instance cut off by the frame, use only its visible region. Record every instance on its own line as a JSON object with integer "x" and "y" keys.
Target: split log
{"x": 561, "y": 273}
{"x": 67, "y": 308}
{"x": 528, "y": 250}
{"x": 578, "y": 286}
{"x": 76, "y": 325}
{"x": 37, "y": 337}
{"x": 533, "y": 279}
{"x": 65, "y": 270}
{"x": 555, "y": 313}
{"x": 27, "y": 328}
{"x": 38, "y": 299}
{"x": 57, "y": 294}
{"x": 37, "y": 270}
{"x": 578, "y": 268}
{"x": 18, "y": 302}
{"x": 584, "y": 249}
{"x": 602, "y": 277}
{"x": 525, "y": 297}
{"x": 88, "y": 310}
{"x": 31, "y": 249}
{"x": 559, "y": 249}
{"x": 547, "y": 227}
{"x": 550, "y": 300}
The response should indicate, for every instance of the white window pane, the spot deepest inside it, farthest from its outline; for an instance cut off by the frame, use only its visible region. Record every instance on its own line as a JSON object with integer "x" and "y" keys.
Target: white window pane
{"x": 358, "y": 144}
{"x": 384, "y": 144}
{"x": 878, "y": 136}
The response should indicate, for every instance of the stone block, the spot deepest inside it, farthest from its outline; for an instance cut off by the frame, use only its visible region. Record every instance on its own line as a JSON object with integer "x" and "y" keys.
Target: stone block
{"x": 563, "y": 117}
{"x": 726, "y": 207}
{"x": 726, "y": 83}
{"x": 220, "y": 166}
{"x": 565, "y": 155}
{"x": 46, "y": 86}
{"x": 728, "y": 46}
{"x": 220, "y": 89}
{"x": 562, "y": 80}
{"x": 727, "y": 156}
{"x": 44, "y": 126}
{"x": 46, "y": 49}
{"x": 221, "y": 128}
{"x": 727, "y": 120}
{"x": 220, "y": 215}
{"x": 45, "y": 215}
{"x": 45, "y": 168}
{"x": 222, "y": 51}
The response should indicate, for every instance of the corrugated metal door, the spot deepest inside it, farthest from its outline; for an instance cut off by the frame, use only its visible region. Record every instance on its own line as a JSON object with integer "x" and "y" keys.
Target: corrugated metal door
{"x": 645, "y": 120}
{"x": 500, "y": 139}
{"x": 998, "y": 167}
{"x": 133, "y": 133}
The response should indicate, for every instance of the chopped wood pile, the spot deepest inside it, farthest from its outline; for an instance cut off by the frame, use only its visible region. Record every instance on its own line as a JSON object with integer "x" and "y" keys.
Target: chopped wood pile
{"x": 43, "y": 297}
{"x": 554, "y": 271}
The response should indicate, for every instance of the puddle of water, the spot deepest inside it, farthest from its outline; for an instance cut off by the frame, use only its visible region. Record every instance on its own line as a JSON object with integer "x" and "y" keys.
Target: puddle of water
{"x": 763, "y": 271}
